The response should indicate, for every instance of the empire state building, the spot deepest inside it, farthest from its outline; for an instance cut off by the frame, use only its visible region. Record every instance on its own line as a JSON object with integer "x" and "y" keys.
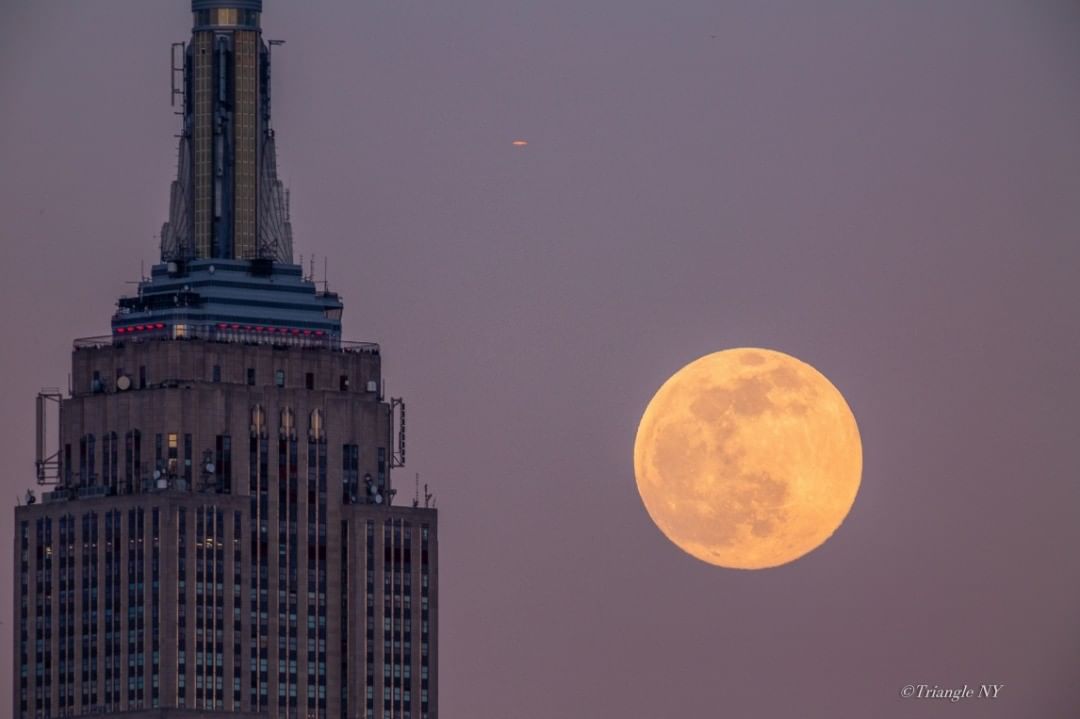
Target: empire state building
{"x": 222, "y": 535}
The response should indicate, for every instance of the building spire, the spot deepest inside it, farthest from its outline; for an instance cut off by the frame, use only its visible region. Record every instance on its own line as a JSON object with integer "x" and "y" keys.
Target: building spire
{"x": 227, "y": 201}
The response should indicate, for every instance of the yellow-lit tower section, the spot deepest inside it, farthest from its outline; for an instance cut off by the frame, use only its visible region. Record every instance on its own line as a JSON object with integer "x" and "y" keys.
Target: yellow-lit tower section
{"x": 227, "y": 201}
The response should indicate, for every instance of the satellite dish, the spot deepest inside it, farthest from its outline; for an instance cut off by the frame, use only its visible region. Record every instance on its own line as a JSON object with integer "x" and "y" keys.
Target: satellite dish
{"x": 123, "y": 383}
{"x": 211, "y": 269}
{"x": 173, "y": 268}
{"x": 210, "y": 467}
{"x": 378, "y": 499}
{"x": 157, "y": 474}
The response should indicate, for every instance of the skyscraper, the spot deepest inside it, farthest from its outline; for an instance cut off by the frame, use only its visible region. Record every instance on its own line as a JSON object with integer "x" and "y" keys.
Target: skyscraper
{"x": 221, "y": 535}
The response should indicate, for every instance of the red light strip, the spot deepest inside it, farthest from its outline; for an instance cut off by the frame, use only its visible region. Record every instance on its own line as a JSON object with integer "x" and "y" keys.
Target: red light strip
{"x": 225, "y": 326}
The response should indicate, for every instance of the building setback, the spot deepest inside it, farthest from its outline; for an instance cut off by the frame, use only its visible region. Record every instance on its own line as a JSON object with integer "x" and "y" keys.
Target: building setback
{"x": 221, "y": 535}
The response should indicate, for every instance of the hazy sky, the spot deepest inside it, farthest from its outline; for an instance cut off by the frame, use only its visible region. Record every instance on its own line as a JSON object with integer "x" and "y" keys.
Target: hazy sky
{"x": 887, "y": 190}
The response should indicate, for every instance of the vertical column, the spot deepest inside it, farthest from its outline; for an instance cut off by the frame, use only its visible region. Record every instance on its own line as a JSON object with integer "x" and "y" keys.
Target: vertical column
{"x": 219, "y": 608}
{"x": 324, "y": 580}
{"x": 202, "y": 63}
{"x": 312, "y": 574}
{"x": 87, "y": 613}
{"x": 112, "y": 608}
{"x": 155, "y": 608}
{"x": 138, "y": 667}
{"x": 237, "y": 633}
{"x": 346, "y": 625}
{"x": 245, "y": 106}
{"x": 168, "y": 586}
{"x": 259, "y": 469}
{"x": 429, "y": 670}
{"x": 369, "y": 626}
{"x": 21, "y": 685}
{"x": 282, "y": 624}
{"x": 43, "y": 614}
{"x": 182, "y": 611}
{"x": 66, "y": 611}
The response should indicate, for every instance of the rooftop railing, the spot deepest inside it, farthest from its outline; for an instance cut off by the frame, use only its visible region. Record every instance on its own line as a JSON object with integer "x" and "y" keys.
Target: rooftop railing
{"x": 229, "y": 334}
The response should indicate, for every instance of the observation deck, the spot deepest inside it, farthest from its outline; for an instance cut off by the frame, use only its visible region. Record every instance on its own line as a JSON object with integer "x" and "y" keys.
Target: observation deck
{"x": 233, "y": 334}
{"x": 255, "y": 301}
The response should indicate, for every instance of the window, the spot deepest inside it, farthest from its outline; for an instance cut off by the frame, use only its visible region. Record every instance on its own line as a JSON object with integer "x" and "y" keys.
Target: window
{"x": 382, "y": 469}
{"x": 86, "y": 459}
{"x": 251, "y": 375}
{"x": 223, "y": 463}
{"x": 109, "y": 460}
{"x": 279, "y": 377}
{"x": 133, "y": 459}
{"x": 309, "y": 380}
{"x": 224, "y": 16}
{"x": 187, "y": 458}
{"x": 173, "y": 456}
{"x": 350, "y": 466}
{"x": 215, "y": 373}
{"x": 142, "y": 376}
{"x": 343, "y": 383}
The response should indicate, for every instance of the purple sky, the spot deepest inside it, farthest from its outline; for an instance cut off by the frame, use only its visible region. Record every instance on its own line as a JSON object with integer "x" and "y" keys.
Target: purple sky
{"x": 887, "y": 190}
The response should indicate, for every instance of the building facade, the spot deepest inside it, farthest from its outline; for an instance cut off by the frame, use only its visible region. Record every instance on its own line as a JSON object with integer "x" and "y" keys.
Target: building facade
{"x": 222, "y": 536}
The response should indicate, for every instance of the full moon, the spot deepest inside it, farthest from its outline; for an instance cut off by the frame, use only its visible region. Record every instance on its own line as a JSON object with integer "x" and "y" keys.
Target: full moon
{"x": 748, "y": 458}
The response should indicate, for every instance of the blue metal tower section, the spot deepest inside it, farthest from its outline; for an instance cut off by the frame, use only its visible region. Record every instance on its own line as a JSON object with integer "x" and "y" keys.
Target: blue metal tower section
{"x": 230, "y": 300}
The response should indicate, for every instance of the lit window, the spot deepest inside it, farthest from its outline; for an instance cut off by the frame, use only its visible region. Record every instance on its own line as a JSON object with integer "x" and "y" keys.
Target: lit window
{"x": 173, "y": 456}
